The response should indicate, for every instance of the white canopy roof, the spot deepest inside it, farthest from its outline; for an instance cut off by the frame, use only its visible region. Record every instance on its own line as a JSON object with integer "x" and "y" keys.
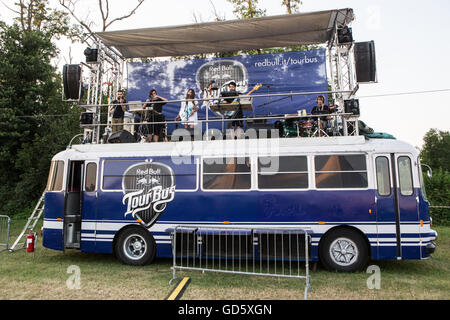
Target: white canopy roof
{"x": 231, "y": 35}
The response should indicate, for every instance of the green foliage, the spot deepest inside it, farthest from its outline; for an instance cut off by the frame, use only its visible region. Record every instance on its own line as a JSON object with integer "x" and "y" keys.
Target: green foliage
{"x": 436, "y": 154}
{"x": 30, "y": 97}
{"x": 247, "y": 9}
{"x": 292, "y": 6}
{"x": 436, "y": 149}
{"x": 438, "y": 192}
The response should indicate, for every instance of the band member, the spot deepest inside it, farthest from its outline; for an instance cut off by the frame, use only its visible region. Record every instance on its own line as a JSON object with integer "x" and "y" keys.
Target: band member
{"x": 321, "y": 108}
{"x": 154, "y": 130}
{"x": 188, "y": 110}
{"x": 118, "y": 110}
{"x": 208, "y": 93}
{"x": 235, "y": 113}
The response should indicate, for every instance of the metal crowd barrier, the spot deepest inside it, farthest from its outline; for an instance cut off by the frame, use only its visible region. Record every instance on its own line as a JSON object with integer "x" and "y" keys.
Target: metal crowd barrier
{"x": 5, "y": 224}
{"x": 234, "y": 250}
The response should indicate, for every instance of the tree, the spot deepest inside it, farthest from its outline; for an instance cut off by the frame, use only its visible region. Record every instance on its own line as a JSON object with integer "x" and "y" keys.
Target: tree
{"x": 247, "y": 9}
{"x": 436, "y": 154}
{"x": 292, "y": 6}
{"x": 104, "y": 11}
{"x": 438, "y": 193}
{"x": 33, "y": 118}
{"x": 436, "y": 149}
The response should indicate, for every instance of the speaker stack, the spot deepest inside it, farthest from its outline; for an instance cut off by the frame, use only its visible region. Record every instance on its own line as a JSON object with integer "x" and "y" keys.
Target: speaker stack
{"x": 91, "y": 55}
{"x": 72, "y": 81}
{"x": 345, "y": 35}
{"x": 352, "y": 106}
{"x": 87, "y": 118}
{"x": 122, "y": 136}
{"x": 365, "y": 62}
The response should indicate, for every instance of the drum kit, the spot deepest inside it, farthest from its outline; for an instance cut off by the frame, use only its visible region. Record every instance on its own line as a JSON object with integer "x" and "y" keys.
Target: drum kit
{"x": 297, "y": 127}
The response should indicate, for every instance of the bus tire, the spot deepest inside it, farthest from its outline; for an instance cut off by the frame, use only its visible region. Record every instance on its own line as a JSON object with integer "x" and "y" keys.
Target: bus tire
{"x": 135, "y": 246}
{"x": 343, "y": 250}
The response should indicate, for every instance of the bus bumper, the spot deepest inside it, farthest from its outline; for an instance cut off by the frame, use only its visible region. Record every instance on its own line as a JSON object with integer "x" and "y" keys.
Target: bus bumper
{"x": 430, "y": 248}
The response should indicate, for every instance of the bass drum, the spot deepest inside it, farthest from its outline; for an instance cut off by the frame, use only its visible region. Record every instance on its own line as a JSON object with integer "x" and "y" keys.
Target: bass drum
{"x": 307, "y": 128}
{"x": 286, "y": 128}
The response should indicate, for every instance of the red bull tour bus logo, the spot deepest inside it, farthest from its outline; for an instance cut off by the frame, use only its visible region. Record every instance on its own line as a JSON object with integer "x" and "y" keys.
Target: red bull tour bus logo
{"x": 147, "y": 187}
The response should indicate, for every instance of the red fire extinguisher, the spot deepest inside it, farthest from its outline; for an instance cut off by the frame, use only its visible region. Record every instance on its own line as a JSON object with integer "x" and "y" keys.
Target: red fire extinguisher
{"x": 31, "y": 240}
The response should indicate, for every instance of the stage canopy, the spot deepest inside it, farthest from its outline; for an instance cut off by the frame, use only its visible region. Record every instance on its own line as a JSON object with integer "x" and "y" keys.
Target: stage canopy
{"x": 231, "y": 35}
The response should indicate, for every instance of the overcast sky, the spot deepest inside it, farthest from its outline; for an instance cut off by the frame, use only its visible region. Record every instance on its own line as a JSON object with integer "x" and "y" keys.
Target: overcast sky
{"x": 411, "y": 41}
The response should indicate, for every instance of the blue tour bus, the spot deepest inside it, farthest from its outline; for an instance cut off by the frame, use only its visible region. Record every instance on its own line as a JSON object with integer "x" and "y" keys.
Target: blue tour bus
{"x": 361, "y": 198}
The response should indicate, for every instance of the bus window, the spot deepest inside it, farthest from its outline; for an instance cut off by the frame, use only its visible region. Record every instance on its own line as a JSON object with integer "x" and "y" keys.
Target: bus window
{"x": 405, "y": 175}
{"x": 91, "y": 177}
{"x": 341, "y": 171}
{"x": 289, "y": 172}
{"x": 113, "y": 172}
{"x": 55, "y": 177}
{"x": 226, "y": 173}
{"x": 422, "y": 183}
{"x": 383, "y": 176}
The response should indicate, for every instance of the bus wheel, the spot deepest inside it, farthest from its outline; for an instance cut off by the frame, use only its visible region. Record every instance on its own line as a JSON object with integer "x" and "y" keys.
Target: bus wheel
{"x": 135, "y": 246}
{"x": 343, "y": 250}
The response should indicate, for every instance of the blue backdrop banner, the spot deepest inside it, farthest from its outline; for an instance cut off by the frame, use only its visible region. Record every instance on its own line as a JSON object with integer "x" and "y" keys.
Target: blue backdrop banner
{"x": 286, "y": 72}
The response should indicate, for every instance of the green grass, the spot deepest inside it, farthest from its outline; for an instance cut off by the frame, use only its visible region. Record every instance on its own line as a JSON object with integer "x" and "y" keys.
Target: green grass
{"x": 43, "y": 275}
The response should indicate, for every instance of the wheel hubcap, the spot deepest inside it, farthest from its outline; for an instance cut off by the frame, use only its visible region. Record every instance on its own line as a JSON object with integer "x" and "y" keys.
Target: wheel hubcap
{"x": 343, "y": 251}
{"x": 135, "y": 247}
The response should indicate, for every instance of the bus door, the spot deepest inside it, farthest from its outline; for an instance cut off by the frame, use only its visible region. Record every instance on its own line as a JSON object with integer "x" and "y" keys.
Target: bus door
{"x": 89, "y": 206}
{"x": 73, "y": 205}
{"x": 396, "y": 206}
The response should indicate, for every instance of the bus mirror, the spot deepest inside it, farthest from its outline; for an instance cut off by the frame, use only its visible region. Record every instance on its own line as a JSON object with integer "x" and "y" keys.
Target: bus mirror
{"x": 429, "y": 170}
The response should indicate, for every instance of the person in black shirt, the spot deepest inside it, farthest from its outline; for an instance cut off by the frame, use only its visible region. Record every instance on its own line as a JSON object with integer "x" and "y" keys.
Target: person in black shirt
{"x": 118, "y": 110}
{"x": 321, "y": 108}
{"x": 154, "y": 114}
{"x": 237, "y": 114}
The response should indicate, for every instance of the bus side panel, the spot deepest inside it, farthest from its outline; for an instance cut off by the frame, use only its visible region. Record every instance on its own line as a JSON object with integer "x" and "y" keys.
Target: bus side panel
{"x": 110, "y": 219}
{"x": 52, "y": 235}
{"x": 426, "y": 234}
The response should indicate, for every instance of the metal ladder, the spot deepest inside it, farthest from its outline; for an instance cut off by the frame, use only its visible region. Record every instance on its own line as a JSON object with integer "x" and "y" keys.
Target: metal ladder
{"x": 31, "y": 224}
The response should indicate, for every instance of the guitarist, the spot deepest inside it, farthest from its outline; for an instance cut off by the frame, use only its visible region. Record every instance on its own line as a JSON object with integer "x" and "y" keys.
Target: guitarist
{"x": 233, "y": 114}
{"x": 188, "y": 110}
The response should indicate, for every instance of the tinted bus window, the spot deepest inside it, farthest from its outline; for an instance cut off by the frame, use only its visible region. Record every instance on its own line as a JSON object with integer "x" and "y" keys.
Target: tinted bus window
{"x": 341, "y": 171}
{"x": 290, "y": 172}
{"x": 226, "y": 173}
{"x": 383, "y": 176}
{"x": 55, "y": 177}
{"x": 405, "y": 176}
{"x": 91, "y": 177}
{"x": 185, "y": 172}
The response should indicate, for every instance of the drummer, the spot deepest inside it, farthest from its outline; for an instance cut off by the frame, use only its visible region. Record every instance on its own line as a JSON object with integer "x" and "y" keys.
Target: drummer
{"x": 321, "y": 108}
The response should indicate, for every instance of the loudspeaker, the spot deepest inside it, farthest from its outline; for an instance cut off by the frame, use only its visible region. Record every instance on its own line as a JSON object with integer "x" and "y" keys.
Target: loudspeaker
{"x": 345, "y": 35}
{"x": 352, "y": 106}
{"x": 365, "y": 62}
{"x": 122, "y": 136}
{"x": 71, "y": 81}
{"x": 91, "y": 55}
{"x": 87, "y": 118}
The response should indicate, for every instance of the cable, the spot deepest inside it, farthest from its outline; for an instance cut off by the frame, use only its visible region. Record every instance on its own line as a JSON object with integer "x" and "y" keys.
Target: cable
{"x": 405, "y": 93}
{"x": 359, "y": 97}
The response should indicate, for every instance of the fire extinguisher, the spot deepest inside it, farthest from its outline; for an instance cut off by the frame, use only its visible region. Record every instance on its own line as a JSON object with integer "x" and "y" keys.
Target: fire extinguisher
{"x": 31, "y": 240}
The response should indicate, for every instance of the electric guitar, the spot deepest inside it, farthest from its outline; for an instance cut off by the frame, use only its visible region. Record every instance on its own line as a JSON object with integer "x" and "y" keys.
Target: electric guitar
{"x": 188, "y": 110}
{"x": 235, "y": 101}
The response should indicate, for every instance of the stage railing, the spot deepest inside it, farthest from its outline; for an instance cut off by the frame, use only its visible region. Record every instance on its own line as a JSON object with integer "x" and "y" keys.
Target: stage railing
{"x": 337, "y": 123}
